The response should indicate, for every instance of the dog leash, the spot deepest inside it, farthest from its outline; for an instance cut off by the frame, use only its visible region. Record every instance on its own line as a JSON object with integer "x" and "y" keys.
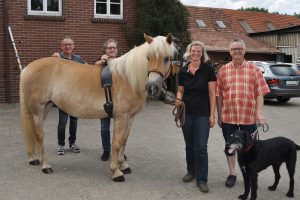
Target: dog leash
{"x": 265, "y": 127}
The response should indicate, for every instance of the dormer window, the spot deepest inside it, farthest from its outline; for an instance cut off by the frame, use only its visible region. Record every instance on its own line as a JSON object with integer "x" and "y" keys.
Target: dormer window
{"x": 200, "y": 23}
{"x": 221, "y": 24}
{"x": 246, "y": 26}
{"x": 270, "y": 26}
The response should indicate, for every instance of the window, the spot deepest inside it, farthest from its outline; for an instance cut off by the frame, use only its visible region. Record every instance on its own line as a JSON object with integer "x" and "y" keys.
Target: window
{"x": 221, "y": 24}
{"x": 200, "y": 23}
{"x": 246, "y": 26}
{"x": 108, "y": 9}
{"x": 44, "y": 7}
{"x": 270, "y": 26}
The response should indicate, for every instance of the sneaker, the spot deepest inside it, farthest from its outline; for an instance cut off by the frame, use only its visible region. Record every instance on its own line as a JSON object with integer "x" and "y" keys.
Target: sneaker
{"x": 230, "y": 181}
{"x": 60, "y": 150}
{"x": 188, "y": 178}
{"x": 74, "y": 148}
{"x": 203, "y": 187}
{"x": 105, "y": 156}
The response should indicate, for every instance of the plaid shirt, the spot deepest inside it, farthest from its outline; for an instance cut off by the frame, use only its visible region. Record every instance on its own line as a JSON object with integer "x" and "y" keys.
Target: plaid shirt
{"x": 238, "y": 89}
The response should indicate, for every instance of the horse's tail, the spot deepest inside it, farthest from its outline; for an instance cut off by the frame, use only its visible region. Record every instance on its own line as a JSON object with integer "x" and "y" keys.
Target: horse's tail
{"x": 27, "y": 124}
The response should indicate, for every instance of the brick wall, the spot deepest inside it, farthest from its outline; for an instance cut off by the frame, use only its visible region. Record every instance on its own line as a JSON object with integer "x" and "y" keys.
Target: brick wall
{"x": 38, "y": 37}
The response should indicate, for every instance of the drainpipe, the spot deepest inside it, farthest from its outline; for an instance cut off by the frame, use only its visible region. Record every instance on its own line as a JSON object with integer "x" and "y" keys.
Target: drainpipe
{"x": 7, "y": 75}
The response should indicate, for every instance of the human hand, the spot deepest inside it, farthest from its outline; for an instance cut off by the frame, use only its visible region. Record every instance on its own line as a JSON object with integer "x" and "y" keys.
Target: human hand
{"x": 261, "y": 119}
{"x": 56, "y": 55}
{"x": 178, "y": 102}
{"x": 212, "y": 121}
{"x": 220, "y": 121}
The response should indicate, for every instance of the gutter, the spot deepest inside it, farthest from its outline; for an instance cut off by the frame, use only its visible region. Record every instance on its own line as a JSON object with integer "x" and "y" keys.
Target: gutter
{"x": 7, "y": 71}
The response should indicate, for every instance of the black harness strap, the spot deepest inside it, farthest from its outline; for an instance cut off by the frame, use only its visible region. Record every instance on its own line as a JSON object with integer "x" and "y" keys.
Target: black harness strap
{"x": 106, "y": 84}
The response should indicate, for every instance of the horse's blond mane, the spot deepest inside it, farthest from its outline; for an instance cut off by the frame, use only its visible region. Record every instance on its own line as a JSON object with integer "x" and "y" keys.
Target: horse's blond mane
{"x": 134, "y": 64}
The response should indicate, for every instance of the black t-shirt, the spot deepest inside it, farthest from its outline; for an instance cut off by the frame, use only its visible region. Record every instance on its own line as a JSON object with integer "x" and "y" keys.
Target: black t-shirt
{"x": 195, "y": 96}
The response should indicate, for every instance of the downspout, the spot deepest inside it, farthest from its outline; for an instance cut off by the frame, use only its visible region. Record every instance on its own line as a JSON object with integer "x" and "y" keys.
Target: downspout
{"x": 7, "y": 75}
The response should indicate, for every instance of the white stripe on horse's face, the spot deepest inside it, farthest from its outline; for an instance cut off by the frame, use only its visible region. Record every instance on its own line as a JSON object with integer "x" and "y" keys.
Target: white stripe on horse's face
{"x": 154, "y": 84}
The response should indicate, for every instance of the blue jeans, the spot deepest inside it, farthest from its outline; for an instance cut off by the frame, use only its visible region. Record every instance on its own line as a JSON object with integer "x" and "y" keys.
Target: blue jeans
{"x": 229, "y": 129}
{"x": 62, "y": 121}
{"x": 196, "y": 133}
{"x": 105, "y": 134}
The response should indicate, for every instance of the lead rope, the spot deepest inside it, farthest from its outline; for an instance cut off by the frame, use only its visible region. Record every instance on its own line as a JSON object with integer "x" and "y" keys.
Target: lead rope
{"x": 178, "y": 111}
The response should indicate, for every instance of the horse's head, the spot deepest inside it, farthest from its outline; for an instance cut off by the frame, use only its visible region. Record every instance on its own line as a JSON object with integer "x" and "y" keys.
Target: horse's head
{"x": 159, "y": 57}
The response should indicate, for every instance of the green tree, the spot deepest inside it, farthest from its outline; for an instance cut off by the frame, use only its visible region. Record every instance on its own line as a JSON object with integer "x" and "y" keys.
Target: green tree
{"x": 157, "y": 17}
{"x": 254, "y": 9}
{"x": 297, "y": 14}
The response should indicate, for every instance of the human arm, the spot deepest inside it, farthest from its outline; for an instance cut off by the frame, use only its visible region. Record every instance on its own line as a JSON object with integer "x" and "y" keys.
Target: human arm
{"x": 212, "y": 102}
{"x": 259, "y": 110}
{"x": 219, "y": 110}
{"x": 179, "y": 95}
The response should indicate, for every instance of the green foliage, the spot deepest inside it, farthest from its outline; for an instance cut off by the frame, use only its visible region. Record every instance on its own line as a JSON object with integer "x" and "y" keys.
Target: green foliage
{"x": 254, "y": 9}
{"x": 297, "y": 14}
{"x": 160, "y": 17}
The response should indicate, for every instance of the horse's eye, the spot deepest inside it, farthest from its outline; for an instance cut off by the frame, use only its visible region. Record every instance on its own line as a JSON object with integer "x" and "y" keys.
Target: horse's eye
{"x": 166, "y": 60}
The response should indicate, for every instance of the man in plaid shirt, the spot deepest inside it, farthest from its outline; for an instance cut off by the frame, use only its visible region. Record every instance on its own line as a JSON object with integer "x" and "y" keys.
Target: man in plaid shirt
{"x": 240, "y": 98}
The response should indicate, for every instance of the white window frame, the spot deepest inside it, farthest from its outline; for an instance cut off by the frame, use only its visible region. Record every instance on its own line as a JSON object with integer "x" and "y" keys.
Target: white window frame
{"x": 44, "y": 11}
{"x": 108, "y": 15}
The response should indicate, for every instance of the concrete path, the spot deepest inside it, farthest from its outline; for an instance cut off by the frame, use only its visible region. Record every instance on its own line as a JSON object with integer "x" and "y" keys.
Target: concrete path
{"x": 155, "y": 153}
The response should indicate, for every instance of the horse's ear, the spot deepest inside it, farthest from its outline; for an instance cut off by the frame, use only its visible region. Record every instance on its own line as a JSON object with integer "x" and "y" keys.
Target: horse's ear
{"x": 169, "y": 38}
{"x": 148, "y": 39}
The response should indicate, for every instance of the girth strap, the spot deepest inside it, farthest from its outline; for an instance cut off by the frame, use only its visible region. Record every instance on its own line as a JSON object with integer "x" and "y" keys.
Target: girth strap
{"x": 106, "y": 84}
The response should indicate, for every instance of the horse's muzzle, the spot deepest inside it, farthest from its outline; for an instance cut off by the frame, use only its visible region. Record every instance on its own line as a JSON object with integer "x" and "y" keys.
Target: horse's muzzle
{"x": 154, "y": 85}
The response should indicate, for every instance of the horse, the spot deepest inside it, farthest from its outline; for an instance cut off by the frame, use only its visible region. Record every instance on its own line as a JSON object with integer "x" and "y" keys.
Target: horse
{"x": 76, "y": 89}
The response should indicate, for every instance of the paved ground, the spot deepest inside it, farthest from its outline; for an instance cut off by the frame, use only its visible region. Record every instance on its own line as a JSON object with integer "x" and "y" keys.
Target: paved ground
{"x": 156, "y": 156}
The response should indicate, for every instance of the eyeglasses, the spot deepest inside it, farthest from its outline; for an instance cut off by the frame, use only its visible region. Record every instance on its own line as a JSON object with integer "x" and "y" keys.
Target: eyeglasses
{"x": 111, "y": 48}
{"x": 68, "y": 44}
{"x": 237, "y": 49}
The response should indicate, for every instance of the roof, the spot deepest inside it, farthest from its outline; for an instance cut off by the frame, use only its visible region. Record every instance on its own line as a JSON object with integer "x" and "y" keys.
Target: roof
{"x": 218, "y": 39}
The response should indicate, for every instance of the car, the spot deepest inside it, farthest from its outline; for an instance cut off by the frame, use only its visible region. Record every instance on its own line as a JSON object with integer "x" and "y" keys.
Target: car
{"x": 282, "y": 79}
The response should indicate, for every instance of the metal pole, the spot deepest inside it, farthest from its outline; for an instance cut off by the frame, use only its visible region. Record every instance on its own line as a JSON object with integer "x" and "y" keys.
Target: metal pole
{"x": 15, "y": 48}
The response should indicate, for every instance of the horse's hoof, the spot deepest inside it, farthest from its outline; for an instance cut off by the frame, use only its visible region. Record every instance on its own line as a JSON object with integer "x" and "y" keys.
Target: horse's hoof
{"x": 34, "y": 162}
{"x": 119, "y": 179}
{"x": 47, "y": 170}
{"x": 126, "y": 171}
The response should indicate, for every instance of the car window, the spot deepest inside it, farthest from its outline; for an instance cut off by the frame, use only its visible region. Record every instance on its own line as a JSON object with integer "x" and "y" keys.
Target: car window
{"x": 283, "y": 70}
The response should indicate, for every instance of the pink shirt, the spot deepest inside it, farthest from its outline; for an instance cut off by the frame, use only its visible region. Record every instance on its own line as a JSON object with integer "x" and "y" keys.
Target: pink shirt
{"x": 239, "y": 87}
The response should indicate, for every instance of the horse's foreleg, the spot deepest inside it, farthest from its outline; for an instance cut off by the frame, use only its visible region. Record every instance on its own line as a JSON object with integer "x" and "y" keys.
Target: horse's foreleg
{"x": 38, "y": 121}
{"x": 125, "y": 167}
{"x": 117, "y": 157}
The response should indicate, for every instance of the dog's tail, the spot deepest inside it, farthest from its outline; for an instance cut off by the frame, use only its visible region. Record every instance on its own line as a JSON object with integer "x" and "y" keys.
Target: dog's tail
{"x": 297, "y": 147}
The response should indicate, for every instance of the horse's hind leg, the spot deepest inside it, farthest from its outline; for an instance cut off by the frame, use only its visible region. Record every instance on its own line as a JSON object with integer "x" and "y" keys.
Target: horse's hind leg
{"x": 276, "y": 168}
{"x": 28, "y": 130}
{"x": 290, "y": 165}
{"x": 38, "y": 121}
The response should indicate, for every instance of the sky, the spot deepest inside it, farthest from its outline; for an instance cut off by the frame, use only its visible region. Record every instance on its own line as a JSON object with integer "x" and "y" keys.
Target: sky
{"x": 281, "y": 6}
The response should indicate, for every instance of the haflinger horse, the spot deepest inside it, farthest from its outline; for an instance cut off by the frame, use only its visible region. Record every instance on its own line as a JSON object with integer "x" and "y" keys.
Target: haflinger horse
{"x": 76, "y": 89}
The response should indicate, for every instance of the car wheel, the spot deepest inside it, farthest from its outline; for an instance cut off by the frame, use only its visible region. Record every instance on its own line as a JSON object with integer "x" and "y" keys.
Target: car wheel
{"x": 283, "y": 99}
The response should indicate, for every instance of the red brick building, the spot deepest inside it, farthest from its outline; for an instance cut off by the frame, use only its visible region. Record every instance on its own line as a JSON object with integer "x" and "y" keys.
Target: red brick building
{"x": 38, "y": 27}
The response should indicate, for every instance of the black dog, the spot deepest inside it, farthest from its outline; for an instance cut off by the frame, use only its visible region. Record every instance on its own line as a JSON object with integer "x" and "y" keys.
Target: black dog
{"x": 256, "y": 155}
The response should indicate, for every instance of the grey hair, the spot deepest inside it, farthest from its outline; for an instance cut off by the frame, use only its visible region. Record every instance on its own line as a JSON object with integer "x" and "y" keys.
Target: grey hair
{"x": 187, "y": 54}
{"x": 108, "y": 41}
{"x": 237, "y": 40}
